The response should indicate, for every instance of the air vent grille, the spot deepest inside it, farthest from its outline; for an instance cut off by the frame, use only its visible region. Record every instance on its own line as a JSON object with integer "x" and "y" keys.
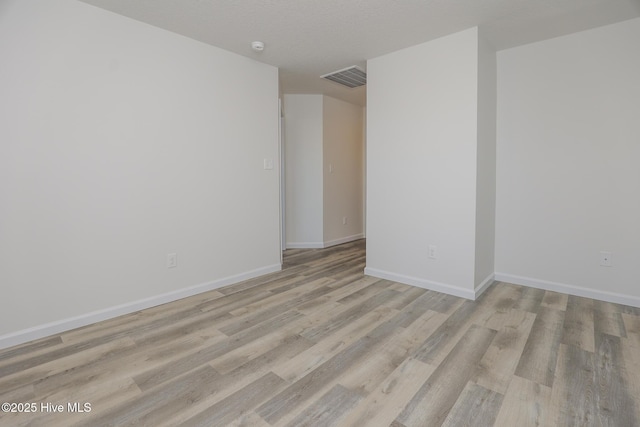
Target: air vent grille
{"x": 350, "y": 77}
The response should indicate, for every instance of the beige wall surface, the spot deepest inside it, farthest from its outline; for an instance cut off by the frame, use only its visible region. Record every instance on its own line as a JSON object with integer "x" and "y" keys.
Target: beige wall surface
{"x": 343, "y": 170}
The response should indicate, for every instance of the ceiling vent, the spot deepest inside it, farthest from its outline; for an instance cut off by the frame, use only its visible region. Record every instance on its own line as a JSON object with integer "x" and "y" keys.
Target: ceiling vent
{"x": 350, "y": 77}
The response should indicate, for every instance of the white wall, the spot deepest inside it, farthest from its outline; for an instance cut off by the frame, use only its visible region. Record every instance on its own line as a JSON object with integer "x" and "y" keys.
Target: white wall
{"x": 568, "y": 163}
{"x": 121, "y": 143}
{"x": 304, "y": 180}
{"x": 324, "y": 171}
{"x": 343, "y": 166}
{"x": 421, "y": 163}
{"x": 486, "y": 164}
{"x": 364, "y": 171}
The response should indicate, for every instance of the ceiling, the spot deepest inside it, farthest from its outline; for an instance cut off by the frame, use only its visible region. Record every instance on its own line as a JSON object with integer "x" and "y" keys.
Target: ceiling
{"x": 308, "y": 38}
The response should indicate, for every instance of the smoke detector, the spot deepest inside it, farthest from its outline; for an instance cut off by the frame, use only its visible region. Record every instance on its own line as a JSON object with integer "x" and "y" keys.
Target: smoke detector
{"x": 350, "y": 77}
{"x": 257, "y": 46}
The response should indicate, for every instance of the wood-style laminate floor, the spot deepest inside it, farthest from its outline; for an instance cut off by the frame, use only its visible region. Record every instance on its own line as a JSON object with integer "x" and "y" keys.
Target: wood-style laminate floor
{"x": 320, "y": 344}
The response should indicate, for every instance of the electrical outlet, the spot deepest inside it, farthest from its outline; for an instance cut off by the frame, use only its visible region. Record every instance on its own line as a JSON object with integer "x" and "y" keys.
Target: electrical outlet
{"x": 172, "y": 260}
{"x": 605, "y": 259}
{"x": 433, "y": 252}
{"x": 344, "y": 220}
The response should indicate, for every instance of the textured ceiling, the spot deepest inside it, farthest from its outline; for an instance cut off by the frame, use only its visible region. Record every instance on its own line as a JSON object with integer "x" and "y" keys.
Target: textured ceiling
{"x": 308, "y": 38}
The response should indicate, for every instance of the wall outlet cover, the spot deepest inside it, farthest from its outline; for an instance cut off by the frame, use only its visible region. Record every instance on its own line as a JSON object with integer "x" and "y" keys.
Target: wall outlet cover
{"x": 172, "y": 260}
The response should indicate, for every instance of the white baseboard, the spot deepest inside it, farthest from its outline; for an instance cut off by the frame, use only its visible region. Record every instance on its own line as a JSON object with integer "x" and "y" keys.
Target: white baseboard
{"x": 322, "y": 245}
{"x": 343, "y": 240}
{"x": 484, "y": 285}
{"x": 421, "y": 283}
{"x": 64, "y": 325}
{"x": 569, "y": 289}
{"x": 305, "y": 245}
